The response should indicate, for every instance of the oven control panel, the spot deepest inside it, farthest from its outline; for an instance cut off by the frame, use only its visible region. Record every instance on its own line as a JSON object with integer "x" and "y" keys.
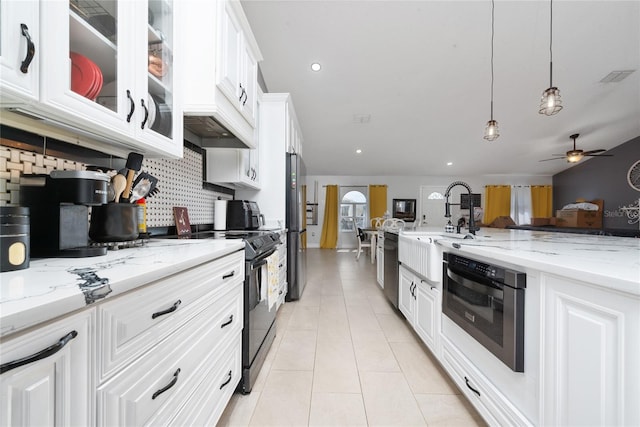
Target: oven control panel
{"x": 480, "y": 269}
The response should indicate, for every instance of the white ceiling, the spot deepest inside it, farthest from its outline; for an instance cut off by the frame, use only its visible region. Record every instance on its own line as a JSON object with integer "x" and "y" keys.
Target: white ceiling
{"x": 421, "y": 69}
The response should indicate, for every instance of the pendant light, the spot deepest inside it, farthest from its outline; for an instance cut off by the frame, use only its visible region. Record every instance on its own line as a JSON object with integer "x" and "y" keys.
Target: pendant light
{"x": 491, "y": 131}
{"x": 550, "y": 103}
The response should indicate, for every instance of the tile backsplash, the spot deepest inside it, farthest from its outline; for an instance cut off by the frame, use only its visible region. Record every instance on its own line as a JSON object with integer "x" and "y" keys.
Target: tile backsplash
{"x": 179, "y": 181}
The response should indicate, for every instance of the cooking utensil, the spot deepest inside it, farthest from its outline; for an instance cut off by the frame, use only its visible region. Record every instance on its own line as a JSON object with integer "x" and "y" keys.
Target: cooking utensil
{"x": 145, "y": 175}
{"x": 153, "y": 192}
{"x": 134, "y": 163}
{"x": 119, "y": 182}
{"x": 140, "y": 190}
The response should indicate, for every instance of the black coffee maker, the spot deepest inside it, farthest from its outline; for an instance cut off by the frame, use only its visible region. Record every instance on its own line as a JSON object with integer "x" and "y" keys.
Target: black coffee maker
{"x": 59, "y": 205}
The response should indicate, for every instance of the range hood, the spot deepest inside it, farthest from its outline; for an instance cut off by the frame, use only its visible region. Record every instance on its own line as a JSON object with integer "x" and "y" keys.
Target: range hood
{"x": 209, "y": 133}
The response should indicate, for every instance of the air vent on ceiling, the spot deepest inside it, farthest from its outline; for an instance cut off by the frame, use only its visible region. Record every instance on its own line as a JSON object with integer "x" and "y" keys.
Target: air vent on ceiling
{"x": 616, "y": 76}
{"x": 361, "y": 118}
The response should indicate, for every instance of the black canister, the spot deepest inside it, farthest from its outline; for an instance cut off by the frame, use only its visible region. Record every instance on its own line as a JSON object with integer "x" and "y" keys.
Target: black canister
{"x": 14, "y": 238}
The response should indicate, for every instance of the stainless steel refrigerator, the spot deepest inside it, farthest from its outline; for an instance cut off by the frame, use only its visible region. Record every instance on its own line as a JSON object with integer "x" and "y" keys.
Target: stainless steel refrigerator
{"x": 296, "y": 212}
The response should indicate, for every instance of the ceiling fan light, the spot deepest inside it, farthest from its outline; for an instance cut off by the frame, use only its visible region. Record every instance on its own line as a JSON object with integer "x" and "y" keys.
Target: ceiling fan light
{"x": 491, "y": 132}
{"x": 550, "y": 103}
{"x": 574, "y": 158}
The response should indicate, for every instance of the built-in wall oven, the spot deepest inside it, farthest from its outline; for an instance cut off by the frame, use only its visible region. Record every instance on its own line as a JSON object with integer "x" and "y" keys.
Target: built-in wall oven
{"x": 487, "y": 301}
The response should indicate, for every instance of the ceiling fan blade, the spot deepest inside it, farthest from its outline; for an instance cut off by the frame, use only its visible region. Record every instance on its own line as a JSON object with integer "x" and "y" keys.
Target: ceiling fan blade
{"x": 587, "y": 153}
{"x": 598, "y": 155}
{"x": 555, "y": 158}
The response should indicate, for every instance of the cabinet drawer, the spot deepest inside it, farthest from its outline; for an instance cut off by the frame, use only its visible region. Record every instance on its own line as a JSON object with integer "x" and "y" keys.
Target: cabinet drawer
{"x": 206, "y": 404}
{"x": 130, "y": 324}
{"x": 153, "y": 389}
{"x": 494, "y": 407}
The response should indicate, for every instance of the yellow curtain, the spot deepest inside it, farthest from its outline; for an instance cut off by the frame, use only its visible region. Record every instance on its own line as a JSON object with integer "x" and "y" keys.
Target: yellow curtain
{"x": 303, "y": 196}
{"x": 329, "y": 237}
{"x": 497, "y": 202}
{"x": 377, "y": 200}
{"x": 542, "y": 201}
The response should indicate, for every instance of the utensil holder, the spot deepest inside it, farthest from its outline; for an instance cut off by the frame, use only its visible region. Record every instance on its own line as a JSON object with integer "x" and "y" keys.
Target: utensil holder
{"x": 114, "y": 222}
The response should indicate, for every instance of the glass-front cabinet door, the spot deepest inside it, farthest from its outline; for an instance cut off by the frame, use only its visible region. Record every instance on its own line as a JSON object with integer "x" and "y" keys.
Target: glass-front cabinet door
{"x": 86, "y": 45}
{"x": 108, "y": 68}
{"x": 159, "y": 123}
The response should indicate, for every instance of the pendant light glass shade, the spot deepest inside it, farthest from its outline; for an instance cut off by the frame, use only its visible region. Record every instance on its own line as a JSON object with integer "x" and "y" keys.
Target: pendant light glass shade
{"x": 491, "y": 132}
{"x": 550, "y": 103}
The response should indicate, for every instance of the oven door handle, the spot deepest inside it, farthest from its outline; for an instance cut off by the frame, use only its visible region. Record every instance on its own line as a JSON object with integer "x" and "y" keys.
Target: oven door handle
{"x": 475, "y": 286}
{"x": 263, "y": 260}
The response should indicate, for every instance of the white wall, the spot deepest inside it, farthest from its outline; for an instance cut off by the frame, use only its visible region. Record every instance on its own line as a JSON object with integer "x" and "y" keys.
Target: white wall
{"x": 401, "y": 187}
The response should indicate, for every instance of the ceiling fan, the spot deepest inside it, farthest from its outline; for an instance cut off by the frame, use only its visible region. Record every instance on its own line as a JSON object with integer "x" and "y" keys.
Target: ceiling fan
{"x": 575, "y": 155}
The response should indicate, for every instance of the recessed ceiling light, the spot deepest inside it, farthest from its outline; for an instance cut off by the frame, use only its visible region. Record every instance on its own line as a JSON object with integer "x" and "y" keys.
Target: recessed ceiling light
{"x": 315, "y": 66}
{"x": 449, "y": 163}
{"x": 358, "y": 151}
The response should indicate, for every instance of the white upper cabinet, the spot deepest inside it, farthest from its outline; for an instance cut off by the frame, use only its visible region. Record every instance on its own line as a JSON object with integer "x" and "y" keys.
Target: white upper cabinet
{"x": 106, "y": 68}
{"x": 19, "y": 51}
{"x": 232, "y": 166}
{"x": 237, "y": 75}
{"x": 221, "y": 57}
{"x": 239, "y": 167}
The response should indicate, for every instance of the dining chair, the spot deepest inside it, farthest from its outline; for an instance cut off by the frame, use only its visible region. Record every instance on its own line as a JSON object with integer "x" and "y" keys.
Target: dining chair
{"x": 377, "y": 222}
{"x": 362, "y": 239}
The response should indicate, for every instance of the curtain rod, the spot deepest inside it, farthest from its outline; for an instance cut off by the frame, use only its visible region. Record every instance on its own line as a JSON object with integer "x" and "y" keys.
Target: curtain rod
{"x": 354, "y": 186}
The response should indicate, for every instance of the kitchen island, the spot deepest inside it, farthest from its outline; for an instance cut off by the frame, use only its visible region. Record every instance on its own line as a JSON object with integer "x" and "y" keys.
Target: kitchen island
{"x": 610, "y": 262}
{"x": 581, "y": 324}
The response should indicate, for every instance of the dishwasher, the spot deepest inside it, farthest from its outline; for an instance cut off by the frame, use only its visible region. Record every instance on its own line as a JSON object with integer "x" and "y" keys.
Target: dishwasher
{"x": 391, "y": 267}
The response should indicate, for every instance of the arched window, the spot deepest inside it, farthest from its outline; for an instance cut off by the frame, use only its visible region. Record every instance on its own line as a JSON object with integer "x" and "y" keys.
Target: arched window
{"x": 353, "y": 207}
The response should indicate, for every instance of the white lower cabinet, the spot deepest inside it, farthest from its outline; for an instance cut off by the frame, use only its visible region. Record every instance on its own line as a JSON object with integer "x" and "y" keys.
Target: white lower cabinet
{"x": 47, "y": 377}
{"x": 282, "y": 269}
{"x": 420, "y": 301}
{"x": 494, "y": 407}
{"x": 210, "y": 398}
{"x": 157, "y": 386}
{"x": 165, "y": 345}
{"x": 406, "y": 295}
{"x": 427, "y": 315}
{"x": 591, "y": 344}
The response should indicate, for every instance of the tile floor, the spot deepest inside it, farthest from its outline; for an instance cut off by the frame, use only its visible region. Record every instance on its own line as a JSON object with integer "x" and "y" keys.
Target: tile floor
{"x": 344, "y": 357}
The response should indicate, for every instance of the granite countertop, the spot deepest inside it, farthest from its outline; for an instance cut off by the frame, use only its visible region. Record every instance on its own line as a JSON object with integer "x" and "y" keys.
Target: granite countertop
{"x": 52, "y": 287}
{"x": 605, "y": 261}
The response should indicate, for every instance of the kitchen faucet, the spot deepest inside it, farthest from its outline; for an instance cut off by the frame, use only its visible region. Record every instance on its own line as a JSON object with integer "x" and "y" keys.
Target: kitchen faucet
{"x": 447, "y": 205}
